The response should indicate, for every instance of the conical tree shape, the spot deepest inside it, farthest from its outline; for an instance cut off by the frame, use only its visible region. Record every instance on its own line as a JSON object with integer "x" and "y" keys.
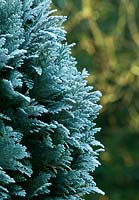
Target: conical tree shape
{"x": 47, "y": 133}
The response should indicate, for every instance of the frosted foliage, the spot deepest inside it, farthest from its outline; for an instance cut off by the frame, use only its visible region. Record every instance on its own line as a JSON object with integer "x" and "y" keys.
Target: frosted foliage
{"x": 47, "y": 110}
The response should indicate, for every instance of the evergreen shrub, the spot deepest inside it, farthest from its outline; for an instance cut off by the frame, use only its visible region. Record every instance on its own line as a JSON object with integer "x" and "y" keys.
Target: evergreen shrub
{"x": 48, "y": 148}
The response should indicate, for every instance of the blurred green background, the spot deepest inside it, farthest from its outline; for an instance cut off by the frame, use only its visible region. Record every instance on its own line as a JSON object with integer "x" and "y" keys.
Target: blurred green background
{"x": 106, "y": 33}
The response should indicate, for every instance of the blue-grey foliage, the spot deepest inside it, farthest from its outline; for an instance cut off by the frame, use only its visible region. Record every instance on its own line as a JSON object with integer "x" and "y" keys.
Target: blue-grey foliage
{"x": 47, "y": 131}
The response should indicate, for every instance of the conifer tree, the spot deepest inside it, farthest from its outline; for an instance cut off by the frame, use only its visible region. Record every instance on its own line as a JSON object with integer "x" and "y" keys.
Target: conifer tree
{"x": 48, "y": 148}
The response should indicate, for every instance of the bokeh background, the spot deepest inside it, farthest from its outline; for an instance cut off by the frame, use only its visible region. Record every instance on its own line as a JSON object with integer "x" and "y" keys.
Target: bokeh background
{"x": 106, "y": 33}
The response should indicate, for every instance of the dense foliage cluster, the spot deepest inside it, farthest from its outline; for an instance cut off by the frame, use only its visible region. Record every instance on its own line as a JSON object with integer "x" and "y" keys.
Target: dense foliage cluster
{"x": 48, "y": 148}
{"x": 107, "y": 37}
